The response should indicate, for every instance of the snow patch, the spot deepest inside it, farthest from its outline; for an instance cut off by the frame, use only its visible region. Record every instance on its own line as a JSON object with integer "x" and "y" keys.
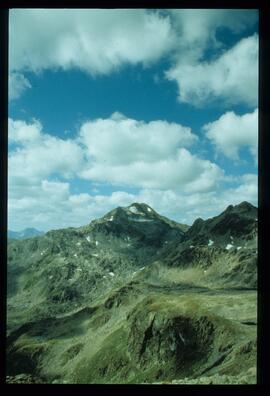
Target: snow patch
{"x": 79, "y": 269}
{"x": 51, "y": 276}
{"x": 182, "y": 338}
{"x": 229, "y": 246}
{"x": 75, "y": 255}
{"x": 88, "y": 238}
{"x": 111, "y": 273}
{"x": 78, "y": 243}
{"x": 95, "y": 254}
{"x": 134, "y": 210}
{"x": 140, "y": 220}
{"x": 149, "y": 210}
{"x": 239, "y": 247}
{"x": 210, "y": 243}
{"x": 191, "y": 246}
{"x": 142, "y": 268}
{"x": 111, "y": 218}
{"x": 96, "y": 243}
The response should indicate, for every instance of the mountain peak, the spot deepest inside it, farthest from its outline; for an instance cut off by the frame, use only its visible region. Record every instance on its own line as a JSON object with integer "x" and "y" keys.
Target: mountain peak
{"x": 242, "y": 208}
{"x": 134, "y": 210}
{"x": 245, "y": 205}
{"x": 139, "y": 208}
{"x": 138, "y": 221}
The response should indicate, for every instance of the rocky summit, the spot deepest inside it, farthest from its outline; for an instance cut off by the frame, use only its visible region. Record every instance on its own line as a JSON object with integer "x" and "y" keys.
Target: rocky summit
{"x": 134, "y": 297}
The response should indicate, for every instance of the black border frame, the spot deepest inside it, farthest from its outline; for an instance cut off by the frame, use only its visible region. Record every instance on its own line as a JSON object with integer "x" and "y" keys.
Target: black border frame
{"x": 263, "y": 376}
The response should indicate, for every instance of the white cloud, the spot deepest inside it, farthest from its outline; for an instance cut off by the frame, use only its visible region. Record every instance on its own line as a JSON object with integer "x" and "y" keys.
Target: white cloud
{"x": 231, "y": 132}
{"x": 96, "y": 41}
{"x": 124, "y": 151}
{"x": 100, "y": 41}
{"x": 41, "y": 205}
{"x": 233, "y": 77}
{"x": 38, "y": 155}
{"x": 118, "y": 150}
{"x": 21, "y": 132}
{"x": 18, "y": 83}
{"x": 198, "y": 29}
{"x": 55, "y": 189}
{"x": 247, "y": 190}
{"x": 121, "y": 140}
{"x": 175, "y": 182}
{"x": 186, "y": 172}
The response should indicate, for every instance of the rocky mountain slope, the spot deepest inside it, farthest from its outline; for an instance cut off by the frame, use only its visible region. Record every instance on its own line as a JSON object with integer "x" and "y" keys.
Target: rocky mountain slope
{"x": 134, "y": 297}
{"x": 223, "y": 248}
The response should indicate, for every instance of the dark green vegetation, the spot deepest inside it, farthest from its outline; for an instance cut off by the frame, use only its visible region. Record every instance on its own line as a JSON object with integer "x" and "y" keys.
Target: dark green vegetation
{"x": 136, "y": 298}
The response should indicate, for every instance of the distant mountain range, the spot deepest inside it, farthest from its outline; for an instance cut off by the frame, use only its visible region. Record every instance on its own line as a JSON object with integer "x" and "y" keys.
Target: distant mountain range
{"x": 134, "y": 297}
{"x": 26, "y": 233}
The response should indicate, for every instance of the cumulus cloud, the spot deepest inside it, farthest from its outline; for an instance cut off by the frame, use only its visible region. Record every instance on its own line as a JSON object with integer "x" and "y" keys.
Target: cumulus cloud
{"x": 198, "y": 29}
{"x": 96, "y": 41}
{"x": 124, "y": 151}
{"x": 177, "y": 183}
{"x": 99, "y": 41}
{"x": 41, "y": 205}
{"x": 185, "y": 172}
{"x": 231, "y": 132}
{"x": 118, "y": 150}
{"x": 122, "y": 140}
{"x": 55, "y": 188}
{"x": 232, "y": 77}
{"x": 38, "y": 155}
{"x": 247, "y": 190}
{"x": 21, "y": 132}
{"x": 17, "y": 84}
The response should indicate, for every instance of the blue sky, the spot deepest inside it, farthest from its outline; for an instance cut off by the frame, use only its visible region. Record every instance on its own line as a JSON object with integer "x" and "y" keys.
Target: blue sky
{"x": 108, "y": 107}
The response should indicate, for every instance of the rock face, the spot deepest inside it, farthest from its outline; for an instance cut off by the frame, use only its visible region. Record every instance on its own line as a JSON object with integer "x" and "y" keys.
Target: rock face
{"x": 226, "y": 243}
{"x": 139, "y": 222}
{"x": 237, "y": 223}
{"x": 134, "y": 297}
